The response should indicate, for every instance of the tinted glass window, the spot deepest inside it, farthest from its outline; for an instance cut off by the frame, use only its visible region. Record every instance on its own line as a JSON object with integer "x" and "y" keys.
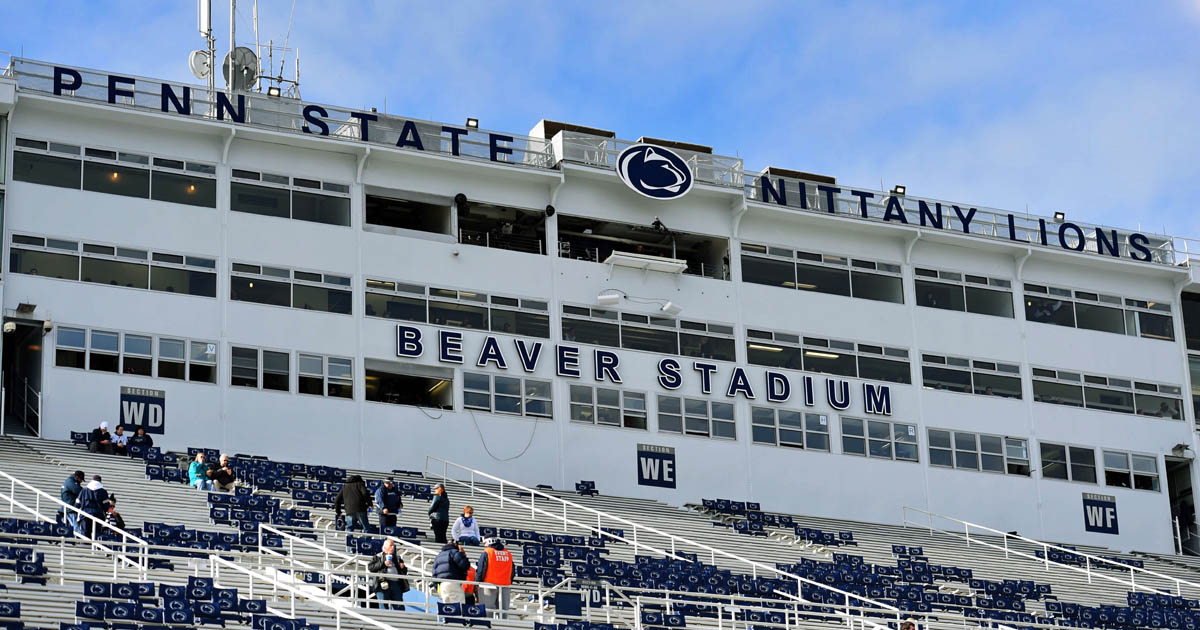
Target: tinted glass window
{"x": 395, "y": 307}
{"x": 1100, "y": 318}
{"x": 116, "y": 273}
{"x": 273, "y": 202}
{"x": 719, "y": 348}
{"x": 320, "y": 208}
{"x": 260, "y": 291}
{"x": 1158, "y": 406}
{"x": 989, "y": 302}
{"x": 1058, "y": 393}
{"x": 44, "y": 264}
{"x": 321, "y": 299}
{"x": 177, "y": 188}
{"x": 1191, "y": 320}
{"x": 996, "y": 385}
{"x": 1049, "y": 311}
{"x": 883, "y": 370}
{"x": 830, "y": 363}
{"x": 942, "y": 378}
{"x": 459, "y": 315}
{"x": 187, "y": 281}
{"x": 939, "y": 295}
{"x": 116, "y": 180}
{"x": 823, "y": 279}
{"x": 876, "y": 287}
{"x": 1157, "y": 326}
{"x": 520, "y": 323}
{"x": 598, "y": 333}
{"x": 45, "y": 169}
{"x": 777, "y": 273}
{"x": 771, "y": 355}
{"x": 1108, "y": 399}
{"x": 650, "y": 340}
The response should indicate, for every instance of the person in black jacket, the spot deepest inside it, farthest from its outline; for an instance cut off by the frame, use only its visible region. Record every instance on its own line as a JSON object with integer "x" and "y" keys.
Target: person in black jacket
{"x": 439, "y": 513}
{"x": 357, "y": 500}
{"x": 101, "y": 440}
{"x": 113, "y": 517}
{"x": 451, "y": 564}
{"x": 93, "y": 500}
{"x": 141, "y": 438}
{"x": 386, "y": 587}
{"x": 69, "y": 492}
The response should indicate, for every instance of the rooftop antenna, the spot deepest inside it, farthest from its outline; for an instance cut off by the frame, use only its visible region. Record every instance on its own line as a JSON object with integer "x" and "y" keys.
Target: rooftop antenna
{"x": 257, "y": 48}
{"x": 201, "y": 61}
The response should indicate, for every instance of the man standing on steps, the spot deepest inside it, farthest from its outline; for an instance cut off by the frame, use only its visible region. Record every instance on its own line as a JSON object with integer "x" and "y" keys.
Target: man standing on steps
{"x": 451, "y": 564}
{"x": 69, "y": 492}
{"x": 495, "y": 567}
{"x": 389, "y": 587}
{"x": 93, "y": 500}
{"x": 439, "y": 513}
{"x": 355, "y": 497}
{"x": 387, "y": 500}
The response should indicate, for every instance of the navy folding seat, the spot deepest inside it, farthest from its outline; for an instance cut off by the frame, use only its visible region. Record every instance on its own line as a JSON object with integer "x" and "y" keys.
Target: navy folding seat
{"x": 125, "y": 591}
{"x": 97, "y": 589}
{"x": 120, "y": 611}
{"x": 89, "y": 610}
{"x": 150, "y": 614}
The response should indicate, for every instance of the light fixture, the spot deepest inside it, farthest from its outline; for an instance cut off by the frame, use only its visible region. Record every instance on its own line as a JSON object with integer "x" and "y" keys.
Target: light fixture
{"x": 1059, "y": 217}
{"x": 671, "y": 308}
{"x": 436, "y": 386}
{"x": 472, "y": 123}
{"x": 821, "y": 355}
{"x": 10, "y": 327}
{"x": 114, "y": 176}
{"x": 251, "y": 285}
{"x": 756, "y": 346}
{"x": 274, "y": 91}
{"x": 191, "y": 188}
{"x": 608, "y": 299}
{"x": 899, "y": 190}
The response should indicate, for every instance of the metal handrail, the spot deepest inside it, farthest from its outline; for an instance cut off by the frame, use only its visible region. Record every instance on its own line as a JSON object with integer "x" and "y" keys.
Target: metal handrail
{"x": 534, "y": 494}
{"x": 140, "y": 560}
{"x": 1090, "y": 560}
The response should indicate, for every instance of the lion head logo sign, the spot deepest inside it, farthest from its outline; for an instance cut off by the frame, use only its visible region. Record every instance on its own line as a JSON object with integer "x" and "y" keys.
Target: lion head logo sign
{"x": 654, "y": 172}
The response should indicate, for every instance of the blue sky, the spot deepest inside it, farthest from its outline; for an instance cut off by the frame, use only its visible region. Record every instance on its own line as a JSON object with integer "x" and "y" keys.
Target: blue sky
{"x": 1085, "y": 107}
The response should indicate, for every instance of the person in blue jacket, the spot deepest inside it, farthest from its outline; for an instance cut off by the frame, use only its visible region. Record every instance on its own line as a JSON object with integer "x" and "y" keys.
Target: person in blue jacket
{"x": 388, "y": 502}
{"x": 198, "y": 473}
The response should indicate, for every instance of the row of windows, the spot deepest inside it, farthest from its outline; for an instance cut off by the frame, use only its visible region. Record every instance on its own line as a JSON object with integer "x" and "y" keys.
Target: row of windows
{"x": 115, "y": 172}
{"x": 113, "y": 265}
{"x": 458, "y": 308}
{"x": 954, "y": 290}
{"x": 507, "y": 395}
{"x": 1095, "y": 311}
{"x": 137, "y": 354}
{"x": 608, "y": 406}
{"x": 827, "y": 356}
{"x": 971, "y": 376}
{"x": 662, "y": 335}
{"x": 279, "y": 286}
{"x": 1106, "y": 393}
{"x": 289, "y": 197}
{"x": 270, "y": 370}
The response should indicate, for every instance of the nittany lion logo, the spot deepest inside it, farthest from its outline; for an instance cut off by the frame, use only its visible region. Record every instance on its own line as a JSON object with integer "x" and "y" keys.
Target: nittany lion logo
{"x": 654, "y": 172}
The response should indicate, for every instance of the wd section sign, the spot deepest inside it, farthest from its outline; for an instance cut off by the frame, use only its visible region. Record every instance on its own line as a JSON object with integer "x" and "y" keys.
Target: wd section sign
{"x": 1100, "y": 513}
{"x": 146, "y": 408}
{"x": 656, "y": 466}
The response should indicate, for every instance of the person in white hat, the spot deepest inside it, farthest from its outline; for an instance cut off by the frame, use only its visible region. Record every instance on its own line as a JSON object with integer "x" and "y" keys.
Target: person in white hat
{"x": 101, "y": 441}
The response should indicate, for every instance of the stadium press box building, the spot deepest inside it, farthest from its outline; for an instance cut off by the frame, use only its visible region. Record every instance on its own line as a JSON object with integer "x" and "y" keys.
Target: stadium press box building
{"x": 315, "y": 283}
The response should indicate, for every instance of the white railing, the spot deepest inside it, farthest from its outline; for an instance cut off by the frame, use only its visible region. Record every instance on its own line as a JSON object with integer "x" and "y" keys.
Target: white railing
{"x": 1094, "y": 567}
{"x": 129, "y": 551}
{"x": 608, "y": 520}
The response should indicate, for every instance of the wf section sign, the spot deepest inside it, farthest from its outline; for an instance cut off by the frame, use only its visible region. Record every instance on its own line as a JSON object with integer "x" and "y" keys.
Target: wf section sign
{"x": 1100, "y": 513}
{"x": 146, "y": 408}
{"x": 656, "y": 466}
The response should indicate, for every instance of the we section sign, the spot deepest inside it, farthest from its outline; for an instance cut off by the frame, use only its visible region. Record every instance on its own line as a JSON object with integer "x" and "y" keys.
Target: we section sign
{"x": 656, "y": 466}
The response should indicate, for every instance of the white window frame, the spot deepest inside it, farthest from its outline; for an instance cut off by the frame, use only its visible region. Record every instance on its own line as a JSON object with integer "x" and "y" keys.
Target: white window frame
{"x": 757, "y": 421}
{"x": 708, "y": 417}
{"x": 524, "y": 397}
{"x": 897, "y": 431}
{"x": 623, "y": 408}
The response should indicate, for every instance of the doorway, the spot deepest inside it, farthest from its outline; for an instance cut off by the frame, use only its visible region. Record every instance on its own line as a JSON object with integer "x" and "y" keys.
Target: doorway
{"x": 1183, "y": 506}
{"x": 22, "y": 377}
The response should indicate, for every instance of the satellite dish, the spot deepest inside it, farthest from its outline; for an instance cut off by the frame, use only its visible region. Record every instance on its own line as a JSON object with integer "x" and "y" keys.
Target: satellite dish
{"x": 200, "y": 64}
{"x": 245, "y": 68}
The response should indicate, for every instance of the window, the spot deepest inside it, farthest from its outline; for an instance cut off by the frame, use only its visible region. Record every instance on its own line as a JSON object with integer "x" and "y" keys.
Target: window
{"x": 202, "y": 366}
{"x": 650, "y": 333}
{"x": 132, "y": 354}
{"x": 828, "y": 356}
{"x": 591, "y": 239}
{"x": 970, "y": 451}
{"x": 1073, "y": 463}
{"x": 698, "y": 417}
{"x": 244, "y": 369}
{"x": 289, "y": 197}
{"x": 822, "y": 273}
{"x": 971, "y": 376}
{"x": 114, "y": 179}
{"x": 1143, "y": 475}
{"x": 1107, "y": 393}
{"x": 114, "y": 265}
{"x": 407, "y": 384}
{"x": 278, "y": 286}
{"x": 325, "y": 376}
{"x": 459, "y": 308}
{"x": 189, "y": 275}
{"x": 191, "y": 188}
{"x": 408, "y": 214}
{"x": 879, "y": 439}
{"x": 1097, "y": 311}
{"x": 785, "y": 427}
{"x": 612, "y": 407}
{"x": 507, "y": 395}
{"x": 40, "y": 256}
{"x": 48, "y": 170}
{"x": 956, "y": 291}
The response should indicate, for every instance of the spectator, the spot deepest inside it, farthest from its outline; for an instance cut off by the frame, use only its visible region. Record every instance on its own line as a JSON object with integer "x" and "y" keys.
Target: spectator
{"x": 93, "y": 500}
{"x": 389, "y": 589}
{"x": 469, "y": 589}
{"x": 451, "y": 564}
{"x": 466, "y": 530}
{"x": 220, "y": 475}
{"x": 113, "y": 517}
{"x": 120, "y": 441}
{"x": 909, "y": 624}
{"x": 198, "y": 473}
{"x": 101, "y": 440}
{"x": 141, "y": 438}
{"x": 387, "y": 500}
{"x": 439, "y": 513}
{"x": 355, "y": 497}
{"x": 495, "y": 567}
{"x": 69, "y": 492}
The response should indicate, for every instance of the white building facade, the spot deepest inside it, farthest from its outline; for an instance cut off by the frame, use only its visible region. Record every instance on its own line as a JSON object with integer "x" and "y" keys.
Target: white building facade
{"x": 312, "y": 283}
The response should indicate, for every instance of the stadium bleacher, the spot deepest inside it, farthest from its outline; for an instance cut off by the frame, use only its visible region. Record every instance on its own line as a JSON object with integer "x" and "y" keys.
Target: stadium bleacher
{"x": 272, "y": 555}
